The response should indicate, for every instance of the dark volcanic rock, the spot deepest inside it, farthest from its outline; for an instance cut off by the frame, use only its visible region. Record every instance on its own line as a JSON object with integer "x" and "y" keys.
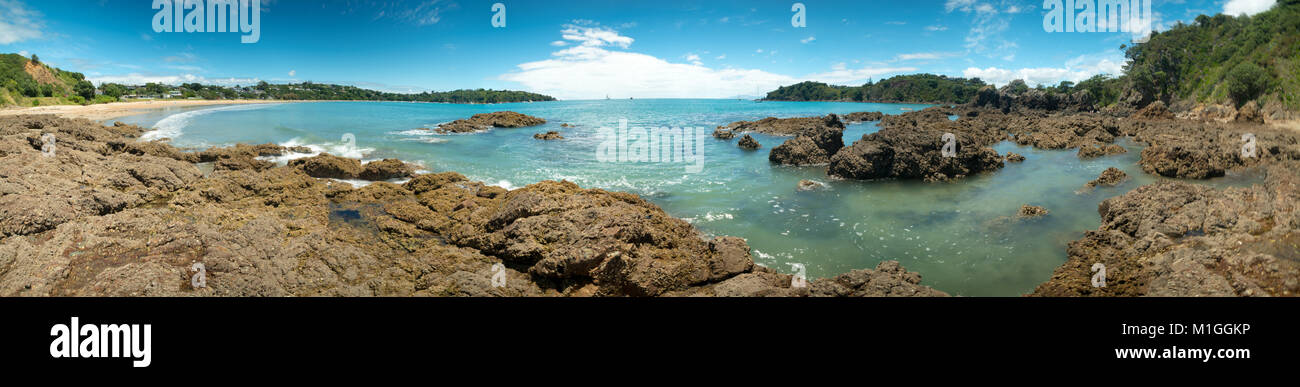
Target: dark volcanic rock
{"x": 779, "y": 126}
{"x": 551, "y": 135}
{"x": 749, "y": 143}
{"x": 911, "y": 146}
{"x": 504, "y": 119}
{"x": 95, "y": 220}
{"x": 723, "y": 134}
{"x": 889, "y": 279}
{"x": 1198, "y": 150}
{"x": 1013, "y": 157}
{"x": 1180, "y": 239}
{"x": 1110, "y": 177}
{"x": 1098, "y": 150}
{"x": 814, "y": 146}
{"x": 1063, "y": 132}
{"x": 863, "y": 117}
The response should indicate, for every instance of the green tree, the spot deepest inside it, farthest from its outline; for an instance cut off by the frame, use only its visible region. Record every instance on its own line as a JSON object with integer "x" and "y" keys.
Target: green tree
{"x": 1246, "y": 82}
{"x": 85, "y": 89}
{"x": 155, "y": 88}
{"x": 114, "y": 90}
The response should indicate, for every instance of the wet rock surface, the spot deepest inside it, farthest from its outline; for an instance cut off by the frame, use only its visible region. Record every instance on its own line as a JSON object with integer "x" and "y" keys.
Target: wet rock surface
{"x": 1029, "y": 212}
{"x": 484, "y": 121}
{"x": 95, "y": 220}
{"x": 863, "y": 117}
{"x": 922, "y": 145}
{"x": 810, "y": 185}
{"x": 1093, "y": 151}
{"x": 1110, "y": 177}
{"x": 749, "y": 143}
{"x": 328, "y": 166}
{"x": 1181, "y": 239}
{"x": 548, "y": 136}
{"x": 780, "y": 126}
{"x": 813, "y": 146}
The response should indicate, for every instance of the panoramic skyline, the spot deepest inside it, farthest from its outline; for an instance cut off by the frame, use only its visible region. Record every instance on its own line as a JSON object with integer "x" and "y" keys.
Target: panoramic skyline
{"x": 582, "y": 49}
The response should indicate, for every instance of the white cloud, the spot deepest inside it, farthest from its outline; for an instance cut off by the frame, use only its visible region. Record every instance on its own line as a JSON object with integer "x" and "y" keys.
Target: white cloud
{"x": 936, "y": 28}
{"x": 1075, "y": 70}
{"x": 422, "y": 13}
{"x": 1248, "y": 7}
{"x": 841, "y": 74}
{"x": 807, "y": 40}
{"x": 25, "y": 53}
{"x": 987, "y": 27}
{"x": 598, "y": 72}
{"x": 721, "y": 57}
{"x": 17, "y": 23}
{"x": 594, "y": 36}
{"x": 963, "y": 5}
{"x": 559, "y": 43}
{"x": 923, "y": 56}
{"x": 293, "y": 73}
{"x": 590, "y": 71}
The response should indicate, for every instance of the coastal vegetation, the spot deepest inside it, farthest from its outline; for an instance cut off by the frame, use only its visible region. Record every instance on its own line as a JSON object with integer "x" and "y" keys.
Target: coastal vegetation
{"x": 918, "y": 88}
{"x": 1217, "y": 59}
{"x": 28, "y": 82}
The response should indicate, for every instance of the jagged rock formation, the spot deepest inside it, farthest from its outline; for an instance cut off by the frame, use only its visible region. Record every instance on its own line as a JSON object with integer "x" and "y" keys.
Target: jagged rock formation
{"x": 816, "y": 142}
{"x": 484, "y": 121}
{"x": 1180, "y": 239}
{"x": 93, "y": 219}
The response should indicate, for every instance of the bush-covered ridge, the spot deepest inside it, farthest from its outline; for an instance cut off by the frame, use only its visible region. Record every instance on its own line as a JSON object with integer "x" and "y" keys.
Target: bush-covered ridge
{"x": 18, "y": 87}
{"x": 1220, "y": 59}
{"x": 1216, "y": 59}
{"x": 919, "y": 88}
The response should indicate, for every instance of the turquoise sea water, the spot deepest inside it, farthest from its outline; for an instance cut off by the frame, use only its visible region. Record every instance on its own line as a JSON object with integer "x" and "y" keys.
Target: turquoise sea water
{"x": 945, "y": 231}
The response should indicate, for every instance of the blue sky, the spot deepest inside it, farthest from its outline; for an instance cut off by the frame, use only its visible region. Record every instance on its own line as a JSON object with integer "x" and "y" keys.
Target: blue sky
{"x": 581, "y": 49}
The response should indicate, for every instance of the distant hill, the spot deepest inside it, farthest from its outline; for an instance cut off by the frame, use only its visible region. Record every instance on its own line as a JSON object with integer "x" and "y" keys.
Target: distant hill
{"x": 23, "y": 79}
{"x": 27, "y": 82}
{"x": 1216, "y": 59}
{"x": 914, "y": 88}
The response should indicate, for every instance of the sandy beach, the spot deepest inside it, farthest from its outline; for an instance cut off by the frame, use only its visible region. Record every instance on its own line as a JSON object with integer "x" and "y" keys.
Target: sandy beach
{"x": 121, "y": 109}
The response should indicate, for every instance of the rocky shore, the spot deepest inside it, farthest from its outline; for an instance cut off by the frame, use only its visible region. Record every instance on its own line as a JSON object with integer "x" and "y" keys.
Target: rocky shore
{"x": 484, "y": 121}
{"x": 1173, "y": 238}
{"x": 102, "y": 214}
{"x": 1181, "y": 239}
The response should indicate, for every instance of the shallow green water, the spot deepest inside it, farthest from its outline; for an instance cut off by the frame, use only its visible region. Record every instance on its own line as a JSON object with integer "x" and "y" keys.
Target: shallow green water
{"x": 948, "y": 232}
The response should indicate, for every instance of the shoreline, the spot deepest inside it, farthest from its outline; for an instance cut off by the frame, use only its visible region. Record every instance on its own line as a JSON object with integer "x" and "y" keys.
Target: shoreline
{"x": 469, "y": 219}
{"x": 108, "y": 111}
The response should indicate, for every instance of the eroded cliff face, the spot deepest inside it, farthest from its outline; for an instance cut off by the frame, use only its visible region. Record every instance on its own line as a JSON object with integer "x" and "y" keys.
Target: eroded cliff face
{"x": 105, "y": 215}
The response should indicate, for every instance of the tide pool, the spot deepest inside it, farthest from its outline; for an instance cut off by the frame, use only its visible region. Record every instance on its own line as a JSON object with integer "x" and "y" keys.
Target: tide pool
{"x": 948, "y": 232}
